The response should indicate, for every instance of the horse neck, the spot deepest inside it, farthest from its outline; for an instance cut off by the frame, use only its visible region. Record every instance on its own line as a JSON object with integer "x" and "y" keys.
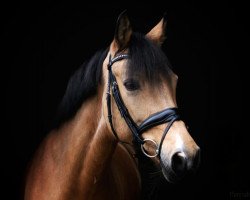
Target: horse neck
{"x": 79, "y": 157}
{"x": 81, "y": 148}
{"x": 91, "y": 144}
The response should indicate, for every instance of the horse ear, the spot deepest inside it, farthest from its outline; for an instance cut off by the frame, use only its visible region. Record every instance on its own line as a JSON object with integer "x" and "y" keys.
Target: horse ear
{"x": 157, "y": 34}
{"x": 123, "y": 33}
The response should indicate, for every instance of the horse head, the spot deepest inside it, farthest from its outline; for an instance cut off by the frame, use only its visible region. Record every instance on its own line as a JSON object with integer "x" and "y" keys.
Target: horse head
{"x": 139, "y": 102}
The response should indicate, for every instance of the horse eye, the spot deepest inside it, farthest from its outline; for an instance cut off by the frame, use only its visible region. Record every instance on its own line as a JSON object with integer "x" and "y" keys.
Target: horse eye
{"x": 131, "y": 85}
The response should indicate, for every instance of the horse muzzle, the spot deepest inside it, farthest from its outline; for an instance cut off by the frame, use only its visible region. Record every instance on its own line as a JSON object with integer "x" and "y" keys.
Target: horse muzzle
{"x": 179, "y": 165}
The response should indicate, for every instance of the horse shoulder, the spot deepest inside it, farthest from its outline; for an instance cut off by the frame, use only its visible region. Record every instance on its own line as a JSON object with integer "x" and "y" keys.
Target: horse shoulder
{"x": 43, "y": 170}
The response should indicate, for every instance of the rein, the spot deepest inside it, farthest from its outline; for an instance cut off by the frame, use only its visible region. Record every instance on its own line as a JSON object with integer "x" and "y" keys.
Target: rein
{"x": 169, "y": 115}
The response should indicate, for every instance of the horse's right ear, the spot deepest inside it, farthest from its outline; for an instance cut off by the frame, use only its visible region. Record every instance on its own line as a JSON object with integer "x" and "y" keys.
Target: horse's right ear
{"x": 123, "y": 33}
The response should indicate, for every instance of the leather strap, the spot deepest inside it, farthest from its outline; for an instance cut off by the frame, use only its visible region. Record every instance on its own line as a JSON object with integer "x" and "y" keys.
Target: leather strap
{"x": 158, "y": 118}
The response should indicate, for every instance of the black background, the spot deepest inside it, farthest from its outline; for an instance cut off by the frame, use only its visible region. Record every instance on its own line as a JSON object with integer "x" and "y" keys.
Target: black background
{"x": 44, "y": 42}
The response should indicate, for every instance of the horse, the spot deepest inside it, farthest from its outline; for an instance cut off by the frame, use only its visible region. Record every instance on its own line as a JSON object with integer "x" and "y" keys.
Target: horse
{"x": 119, "y": 110}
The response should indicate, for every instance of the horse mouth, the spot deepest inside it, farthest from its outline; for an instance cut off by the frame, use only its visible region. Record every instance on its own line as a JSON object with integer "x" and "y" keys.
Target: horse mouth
{"x": 169, "y": 174}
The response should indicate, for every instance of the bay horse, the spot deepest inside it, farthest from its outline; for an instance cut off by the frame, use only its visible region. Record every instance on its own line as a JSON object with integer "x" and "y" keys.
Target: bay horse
{"x": 118, "y": 107}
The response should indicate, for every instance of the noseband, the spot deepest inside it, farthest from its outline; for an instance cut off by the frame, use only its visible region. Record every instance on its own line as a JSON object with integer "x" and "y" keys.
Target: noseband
{"x": 168, "y": 115}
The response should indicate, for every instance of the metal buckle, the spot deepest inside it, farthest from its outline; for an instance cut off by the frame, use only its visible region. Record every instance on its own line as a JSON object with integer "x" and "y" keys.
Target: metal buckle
{"x": 156, "y": 149}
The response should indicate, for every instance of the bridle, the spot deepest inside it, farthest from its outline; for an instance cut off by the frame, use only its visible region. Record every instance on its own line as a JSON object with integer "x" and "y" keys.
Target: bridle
{"x": 168, "y": 115}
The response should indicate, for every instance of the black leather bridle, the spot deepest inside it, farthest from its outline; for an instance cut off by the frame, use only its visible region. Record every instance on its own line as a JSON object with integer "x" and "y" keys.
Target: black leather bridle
{"x": 168, "y": 115}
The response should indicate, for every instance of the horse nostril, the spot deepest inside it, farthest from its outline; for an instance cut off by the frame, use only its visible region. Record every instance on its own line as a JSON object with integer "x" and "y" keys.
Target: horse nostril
{"x": 179, "y": 163}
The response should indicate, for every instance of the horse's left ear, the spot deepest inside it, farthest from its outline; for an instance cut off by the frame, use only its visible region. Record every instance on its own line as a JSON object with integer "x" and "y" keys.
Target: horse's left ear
{"x": 123, "y": 33}
{"x": 157, "y": 34}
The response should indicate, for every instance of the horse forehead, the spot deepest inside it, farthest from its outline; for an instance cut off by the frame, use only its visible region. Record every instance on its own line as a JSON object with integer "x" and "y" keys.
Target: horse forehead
{"x": 164, "y": 84}
{"x": 120, "y": 70}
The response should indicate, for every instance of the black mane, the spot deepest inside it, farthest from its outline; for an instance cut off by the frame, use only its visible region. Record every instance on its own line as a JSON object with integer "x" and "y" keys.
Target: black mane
{"x": 82, "y": 85}
{"x": 146, "y": 59}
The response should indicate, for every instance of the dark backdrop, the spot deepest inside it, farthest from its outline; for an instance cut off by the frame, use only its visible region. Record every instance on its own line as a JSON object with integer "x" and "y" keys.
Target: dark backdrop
{"x": 45, "y": 42}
